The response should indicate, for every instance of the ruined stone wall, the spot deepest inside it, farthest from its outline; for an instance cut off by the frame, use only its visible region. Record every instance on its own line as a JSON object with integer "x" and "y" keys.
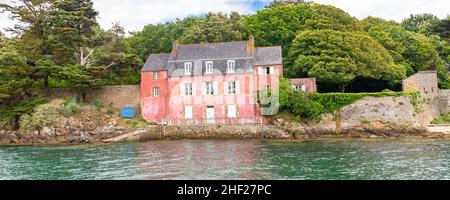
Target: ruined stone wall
{"x": 425, "y": 82}
{"x": 116, "y": 96}
{"x": 444, "y": 101}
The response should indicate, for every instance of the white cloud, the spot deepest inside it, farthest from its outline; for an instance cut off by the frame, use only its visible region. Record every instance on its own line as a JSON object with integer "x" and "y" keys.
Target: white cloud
{"x": 391, "y": 9}
{"x": 134, "y": 14}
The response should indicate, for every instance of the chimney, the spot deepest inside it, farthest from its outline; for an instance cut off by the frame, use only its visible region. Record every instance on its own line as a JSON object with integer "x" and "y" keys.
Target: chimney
{"x": 175, "y": 46}
{"x": 250, "y": 45}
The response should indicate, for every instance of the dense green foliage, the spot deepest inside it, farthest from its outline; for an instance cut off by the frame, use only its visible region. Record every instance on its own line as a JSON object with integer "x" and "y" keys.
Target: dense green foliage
{"x": 341, "y": 57}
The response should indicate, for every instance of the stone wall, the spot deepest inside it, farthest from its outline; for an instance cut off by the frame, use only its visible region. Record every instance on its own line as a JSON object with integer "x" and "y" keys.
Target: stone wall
{"x": 444, "y": 100}
{"x": 116, "y": 96}
{"x": 425, "y": 82}
{"x": 393, "y": 112}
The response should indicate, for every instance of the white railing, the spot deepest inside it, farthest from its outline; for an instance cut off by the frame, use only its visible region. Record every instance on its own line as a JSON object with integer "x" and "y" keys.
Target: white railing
{"x": 217, "y": 121}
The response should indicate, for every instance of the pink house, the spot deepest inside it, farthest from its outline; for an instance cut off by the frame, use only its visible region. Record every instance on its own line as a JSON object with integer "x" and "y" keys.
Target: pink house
{"x": 211, "y": 83}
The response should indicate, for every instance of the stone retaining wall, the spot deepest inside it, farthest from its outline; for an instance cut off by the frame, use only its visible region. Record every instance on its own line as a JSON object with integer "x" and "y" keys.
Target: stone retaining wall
{"x": 116, "y": 96}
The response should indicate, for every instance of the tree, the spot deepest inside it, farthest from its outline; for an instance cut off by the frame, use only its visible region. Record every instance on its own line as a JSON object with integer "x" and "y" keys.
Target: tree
{"x": 215, "y": 27}
{"x": 413, "y": 50}
{"x": 341, "y": 57}
{"x": 421, "y": 23}
{"x": 158, "y": 38}
{"x": 73, "y": 23}
{"x": 279, "y": 25}
{"x": 2, "y": 39}
{"x": 443, "y": 29}
{"x": 275, "y": 3}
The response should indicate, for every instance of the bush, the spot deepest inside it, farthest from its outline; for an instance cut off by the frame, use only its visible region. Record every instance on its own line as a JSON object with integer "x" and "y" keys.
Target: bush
{"x": 68, "y": 100}
{"x": 43, "y": 115}
{"x": 70, "y": 109}
{"x": 444, "y": 119}
{"x": 110, "y": 111}
{"x": 10, "y": 116}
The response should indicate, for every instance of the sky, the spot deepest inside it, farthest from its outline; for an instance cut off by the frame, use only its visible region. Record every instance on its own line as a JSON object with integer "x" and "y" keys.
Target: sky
{"x": 135, "y": 14}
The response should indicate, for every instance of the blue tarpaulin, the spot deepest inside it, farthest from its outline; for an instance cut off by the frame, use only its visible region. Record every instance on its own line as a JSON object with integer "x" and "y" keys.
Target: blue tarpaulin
{"x": 127, "y": 112}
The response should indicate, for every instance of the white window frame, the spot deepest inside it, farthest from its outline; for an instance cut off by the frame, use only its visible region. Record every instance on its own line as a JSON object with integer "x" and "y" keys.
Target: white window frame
{"x": 209, "y": 88}
{"x": 188, "y": 68}
{"x": 232, "y": 114}
{"x": 231, "y": 87}
{"x": 231, "y": 66}
{"x": 299, "y": 88}
{"x": 209, "y": 67}
{"x": 156, "y": 92}
{"x": 188, "y": 89}
{"x": 266, "y": 71}
{"x": 187, "y": 114}
{"x": 155, "y": 75}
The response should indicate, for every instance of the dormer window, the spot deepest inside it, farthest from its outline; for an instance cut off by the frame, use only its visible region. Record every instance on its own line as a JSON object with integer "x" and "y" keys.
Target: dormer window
{"x": 231, "y": 66}
{"x": 209, "y": 67}
{"x": 188, "y": 68}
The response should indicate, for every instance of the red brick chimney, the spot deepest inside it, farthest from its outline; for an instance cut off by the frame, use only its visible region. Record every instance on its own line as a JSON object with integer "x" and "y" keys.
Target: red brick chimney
{"x": 250, "y": 45}
{"x": 175, "y": 46}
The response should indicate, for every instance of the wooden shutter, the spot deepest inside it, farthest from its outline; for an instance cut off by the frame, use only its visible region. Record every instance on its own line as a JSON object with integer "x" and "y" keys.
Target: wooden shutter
{"x": 225, "y": 88}
{"x": 215, "y": 85}
{"x": 203, "y": 88}
{"x": 181, "y": 89}
{"x": 260, "y": 70}
{"x": 232, "y": 113}
{"x": 238, "y": 87}
{"x": 188, "y": 112}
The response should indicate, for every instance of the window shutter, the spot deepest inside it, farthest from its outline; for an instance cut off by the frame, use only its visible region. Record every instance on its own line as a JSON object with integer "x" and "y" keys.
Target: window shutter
{"x": 181, "y": 89}
{"x": 260, "y": 70}
{"x": 225, "y": 88}
{"x": 272, "y": 70}
{"x": 216, "y": 92}
{"x": 203, "y": 88}
{"x": 238, "y": 87}
{"x": 194, "y": 93}
{"x": 232, "y": 111}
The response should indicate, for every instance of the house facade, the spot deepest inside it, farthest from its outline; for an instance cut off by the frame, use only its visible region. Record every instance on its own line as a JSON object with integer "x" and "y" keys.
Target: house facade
{"x": 304, "y": 84}
{"x": 211, "y": 83}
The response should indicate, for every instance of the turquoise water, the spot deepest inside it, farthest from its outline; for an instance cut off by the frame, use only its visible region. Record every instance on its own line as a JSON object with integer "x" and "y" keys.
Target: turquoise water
{"x": 230, "y": 160}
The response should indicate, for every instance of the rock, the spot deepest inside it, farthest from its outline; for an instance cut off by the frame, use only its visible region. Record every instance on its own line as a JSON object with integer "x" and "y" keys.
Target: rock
{"x": 48, "y": 132}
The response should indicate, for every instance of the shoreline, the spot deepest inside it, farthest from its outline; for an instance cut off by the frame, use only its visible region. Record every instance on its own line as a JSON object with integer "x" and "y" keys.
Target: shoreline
{"x": 264, "y": 133}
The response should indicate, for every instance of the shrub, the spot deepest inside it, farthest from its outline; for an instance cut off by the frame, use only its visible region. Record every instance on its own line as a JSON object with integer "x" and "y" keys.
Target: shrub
{"x": 444, "y": 119}
{"x": 110, "y": 111}
{"x": 68, "y": 100}
{"x": 43, "y": 115}
{"x": 10, "y": 116}
{"x": 70, "y": 109}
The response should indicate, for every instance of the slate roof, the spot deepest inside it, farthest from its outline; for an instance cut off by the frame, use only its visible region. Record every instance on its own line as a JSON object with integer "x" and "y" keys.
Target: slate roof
{"x": 204, "y": 51}
{"x": 268, "y": 56}
{"x": 219, "y": 53}
{"x": 156, "y": 62}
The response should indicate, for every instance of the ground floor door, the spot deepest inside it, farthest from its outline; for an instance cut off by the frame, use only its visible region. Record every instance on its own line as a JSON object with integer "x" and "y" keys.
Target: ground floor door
{"x": 210, "y": 115}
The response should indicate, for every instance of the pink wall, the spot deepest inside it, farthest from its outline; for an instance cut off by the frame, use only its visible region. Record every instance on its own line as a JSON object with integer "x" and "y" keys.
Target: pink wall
{"x": 245, "y": 100}
{"x": 171, "y": 104}
{"x": 154, "y": 108}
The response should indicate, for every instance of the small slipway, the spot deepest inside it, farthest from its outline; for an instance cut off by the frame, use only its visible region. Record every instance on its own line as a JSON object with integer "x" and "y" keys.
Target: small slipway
{"x": 439, "y": 128}
{"x": 131, "y": 136}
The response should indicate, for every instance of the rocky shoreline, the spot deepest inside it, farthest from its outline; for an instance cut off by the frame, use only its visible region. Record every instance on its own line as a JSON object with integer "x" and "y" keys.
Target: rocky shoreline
{"x": 113, "y": 133}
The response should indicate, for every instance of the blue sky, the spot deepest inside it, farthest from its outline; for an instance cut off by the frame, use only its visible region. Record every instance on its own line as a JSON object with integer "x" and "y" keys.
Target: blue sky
{"x": 135, "y": 14}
